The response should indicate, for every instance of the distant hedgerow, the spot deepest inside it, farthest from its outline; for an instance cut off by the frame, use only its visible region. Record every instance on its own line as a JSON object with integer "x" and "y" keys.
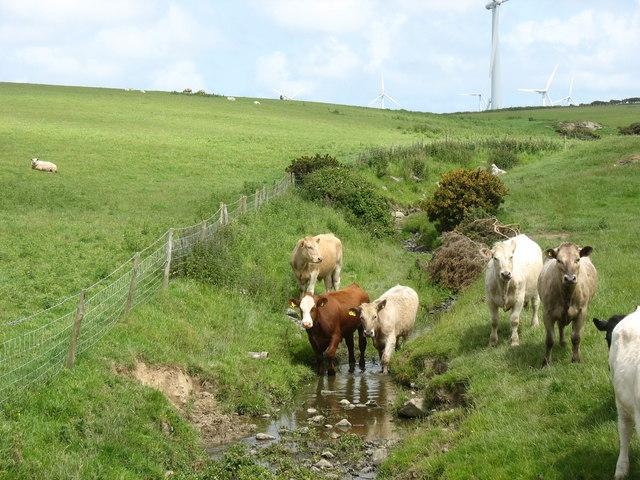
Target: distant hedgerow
{"x": 460, "y": 191}
{"x": 345, "y": 189}
{"x": 302, "y": 166}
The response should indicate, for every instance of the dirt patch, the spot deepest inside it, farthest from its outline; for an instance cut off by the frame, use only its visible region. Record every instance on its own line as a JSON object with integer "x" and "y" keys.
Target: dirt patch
{"x": 435, "y": 366}
{"x": 195, "y": 400}
{"x": 628, "y": 160}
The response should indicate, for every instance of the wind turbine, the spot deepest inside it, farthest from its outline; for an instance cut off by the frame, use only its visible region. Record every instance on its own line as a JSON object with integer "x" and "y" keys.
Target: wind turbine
{"x": 496, "y": 95}
{"x": 546, "y": 99}
{"x": 284, "y": 96}
{"x": 568, "y": 98}
{"x": 479, "y": 95}
{"x": 382, "y": 95}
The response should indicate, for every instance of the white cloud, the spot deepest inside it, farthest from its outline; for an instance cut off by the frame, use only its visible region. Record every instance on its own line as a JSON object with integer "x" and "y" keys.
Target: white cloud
{"x": 72, "y": 11}
{"x": 331, "y": 59}
{"x": 178, "y": 76}
{"x": 55, "y": 62}
{"x": 380, "y": 37}
{"x": 274, "y": 72}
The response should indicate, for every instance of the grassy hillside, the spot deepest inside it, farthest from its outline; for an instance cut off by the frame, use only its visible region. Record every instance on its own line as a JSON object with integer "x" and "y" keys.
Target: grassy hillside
{"x": 133, "y": 164}
{"x": 524, "y": 421}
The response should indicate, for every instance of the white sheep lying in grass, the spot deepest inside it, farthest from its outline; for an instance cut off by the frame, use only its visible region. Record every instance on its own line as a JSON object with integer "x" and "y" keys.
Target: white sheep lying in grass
{"x": 43, "y": 166}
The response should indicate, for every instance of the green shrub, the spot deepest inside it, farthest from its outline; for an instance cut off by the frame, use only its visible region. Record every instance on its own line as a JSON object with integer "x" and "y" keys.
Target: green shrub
{"x": 345, "y": 189}
{"x": 451, "y": 151}
{"x": 414, "y": 165}
{"x": 633, "y": 129}
{"x": 304, "y": 165}
{"x": 378, "y": 160}
{"x": 577, "y": 131}
{"x": 504, "y": 157}
{"x": 461, "y": 190}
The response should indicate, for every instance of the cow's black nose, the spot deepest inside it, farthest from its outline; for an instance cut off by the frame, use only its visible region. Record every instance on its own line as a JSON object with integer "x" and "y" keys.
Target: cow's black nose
{"x": 570, "y": 278}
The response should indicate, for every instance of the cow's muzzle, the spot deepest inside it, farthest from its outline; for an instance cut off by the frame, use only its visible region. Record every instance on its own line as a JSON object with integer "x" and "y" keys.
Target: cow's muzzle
{"x": 369, "y": 333}
{"x": 307, "y": 325}
{"x": 505, "y": 275}
{"x": 570, "y": 279}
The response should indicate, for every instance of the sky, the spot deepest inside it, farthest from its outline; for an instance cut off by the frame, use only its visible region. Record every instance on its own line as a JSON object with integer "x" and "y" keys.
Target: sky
{"x": 429, "y": 51}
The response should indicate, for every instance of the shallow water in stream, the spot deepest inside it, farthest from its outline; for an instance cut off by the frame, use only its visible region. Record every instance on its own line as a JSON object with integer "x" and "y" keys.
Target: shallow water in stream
{"x": 373, "y": 422}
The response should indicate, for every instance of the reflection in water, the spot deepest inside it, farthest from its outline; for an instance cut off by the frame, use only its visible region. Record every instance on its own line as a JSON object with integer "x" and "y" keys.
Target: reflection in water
{"x": 370, "y": 422}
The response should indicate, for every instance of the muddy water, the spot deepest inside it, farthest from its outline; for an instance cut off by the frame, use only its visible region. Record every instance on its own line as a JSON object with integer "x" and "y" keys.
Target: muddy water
{"x": 372, "y": 421}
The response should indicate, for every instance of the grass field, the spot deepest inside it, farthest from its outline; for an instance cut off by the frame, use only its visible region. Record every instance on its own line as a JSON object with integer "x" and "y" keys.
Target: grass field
{"x": 133, "y": 164}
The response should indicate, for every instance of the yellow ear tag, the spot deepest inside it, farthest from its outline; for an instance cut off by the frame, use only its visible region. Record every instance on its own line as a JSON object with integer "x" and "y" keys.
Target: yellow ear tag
{"x": 293, "y": 305}
{"x": 352, "y": 313}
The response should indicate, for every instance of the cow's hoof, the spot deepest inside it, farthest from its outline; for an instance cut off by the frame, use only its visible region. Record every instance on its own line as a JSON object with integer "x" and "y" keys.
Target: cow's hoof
{"x": 515, "y": 343}
{"x": 493, "y": 342}
{"x": 575, "y": 360}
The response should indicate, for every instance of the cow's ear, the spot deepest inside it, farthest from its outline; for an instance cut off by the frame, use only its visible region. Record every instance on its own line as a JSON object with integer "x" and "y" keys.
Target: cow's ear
{"x": 318, "y": 240}
{"x": 600, "y": 324}
{"x": 586, "y": 251}
{"x": 354, "y": 312}
{"x": 551, "y": 252}
{"x": 294, "y": 303}
{"x": 322, "y": 302}
{"x": 382, "y": 304}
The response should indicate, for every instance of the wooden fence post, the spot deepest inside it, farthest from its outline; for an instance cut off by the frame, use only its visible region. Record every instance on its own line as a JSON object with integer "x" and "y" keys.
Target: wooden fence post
{"x": 75, "y": 332}
{"x": 221, "y": 218}
{"x": 167, "y": 260}
{"x": 203, "y": 230}
{"x": 132, "y": 285}
{"x": 256, "y": 199}
{"x": 243, "y": 204}
{"x": 225, "y": 211}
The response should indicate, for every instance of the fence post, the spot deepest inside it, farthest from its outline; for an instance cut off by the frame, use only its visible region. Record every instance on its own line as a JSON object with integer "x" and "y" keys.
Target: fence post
{"x": 243, "y": 204}
{"x": 256, "y": 199}
{"x": 203, "y": 230}
{"x": 75, "y": 332}
{"x": 132, "y": 285}
{"x": 221, "y": 218}
{"x": 167, "y": 260}
{"x": 225, "y": 211}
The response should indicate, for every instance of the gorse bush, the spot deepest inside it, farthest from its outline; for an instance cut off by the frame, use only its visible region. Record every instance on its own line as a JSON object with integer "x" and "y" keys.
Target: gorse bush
{"x": 348, "y": 191}
{"x": 633, "y": 129}
{"x": 503, "y": 157}
{"x": 460, "y": 191}
{"x": 304, "y": 165}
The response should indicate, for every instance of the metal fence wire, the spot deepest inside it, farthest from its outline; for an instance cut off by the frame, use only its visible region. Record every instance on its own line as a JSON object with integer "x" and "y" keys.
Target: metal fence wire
{"x": 36, "y": 347}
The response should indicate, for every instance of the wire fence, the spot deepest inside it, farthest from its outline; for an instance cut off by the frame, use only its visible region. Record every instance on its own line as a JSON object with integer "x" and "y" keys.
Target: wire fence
{"x": 36, "y": 347}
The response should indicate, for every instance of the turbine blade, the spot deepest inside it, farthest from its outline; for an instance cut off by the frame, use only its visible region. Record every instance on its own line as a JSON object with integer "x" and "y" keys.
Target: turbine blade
{"x": 528, "y": 90}
{"x": 296, "y": 94}
{"x": 553, "y": 74}
{"x": 375, "y": 100}
{"x": 391, "y": 98}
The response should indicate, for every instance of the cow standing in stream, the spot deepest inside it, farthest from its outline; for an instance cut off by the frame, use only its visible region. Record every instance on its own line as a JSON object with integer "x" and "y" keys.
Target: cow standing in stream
{"x": 327, "y": 320}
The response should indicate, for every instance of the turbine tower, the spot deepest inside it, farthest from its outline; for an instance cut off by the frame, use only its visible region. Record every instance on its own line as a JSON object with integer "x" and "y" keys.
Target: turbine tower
{"x": 479, "y": 95}
{"x": 546, "y": 99}
{"x": 284, "y": 96}
{"x": 496, "y": 98}
{"x": 382, "y": 95}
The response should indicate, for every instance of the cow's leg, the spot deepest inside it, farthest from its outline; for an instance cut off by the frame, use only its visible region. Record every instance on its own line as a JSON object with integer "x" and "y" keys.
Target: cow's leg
{"x": 335, "y": 276}
{"x": 328, "y": 283}
{"x": 348, "y": 339}
{"x": 515, "y": 318}
{"x": 576, "y": 332}
{"x": 495, "y": 319}
{"x": 311, "y": 286}
{"x": 561, "y": 339}
{"x": 548, "y": 326}
{"x": 330, "y": 353}
{"x": 389, "y": 347}
{"x": 625, "y": 429}
{"x": 535, "y": 306}
{"x": 362, "y": 346}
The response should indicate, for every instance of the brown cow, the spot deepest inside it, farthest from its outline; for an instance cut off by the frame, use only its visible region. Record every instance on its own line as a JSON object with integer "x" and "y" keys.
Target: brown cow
{"x": 327, "y": 320}
{"x": 567, "y": 284}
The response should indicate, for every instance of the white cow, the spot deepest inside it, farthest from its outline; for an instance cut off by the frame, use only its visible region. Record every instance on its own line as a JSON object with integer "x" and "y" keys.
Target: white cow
{"x": 497, "y": 171}
{"x": 256, "y": 102}
{"x": 43, "y": 166}
{"x": 623, "y": 337}
{"x": 388, "y": 319}
{"x": 511, "y": 280}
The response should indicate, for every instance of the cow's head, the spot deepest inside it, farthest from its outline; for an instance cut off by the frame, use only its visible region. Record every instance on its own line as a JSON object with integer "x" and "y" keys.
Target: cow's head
{"x": 502, "y": 258}
{"x": 309, "y": 248}
{"x": 309, "y": 306}
{"x": 369, "y": 314}
{"x": 33, "y": 162}
{"x": 568, "y": 257}
{"x": 608, "y": 326}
